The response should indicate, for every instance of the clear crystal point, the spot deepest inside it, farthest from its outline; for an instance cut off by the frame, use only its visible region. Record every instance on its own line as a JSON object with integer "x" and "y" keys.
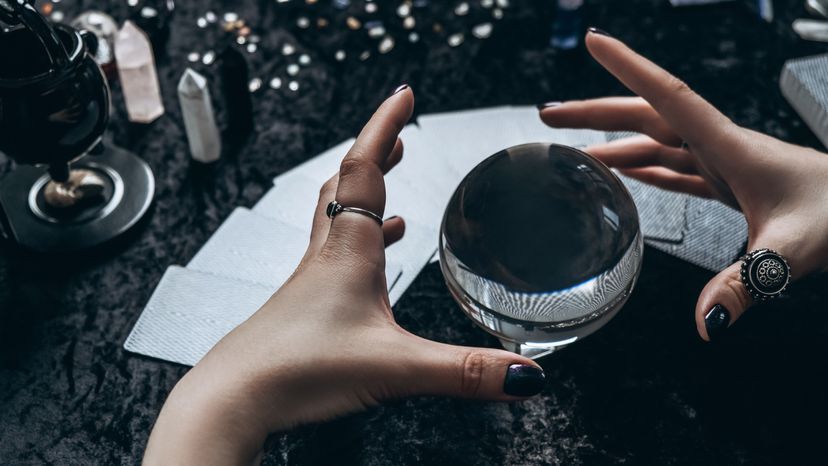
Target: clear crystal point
{"x": 139, "y": 79}
{"x": 199, "y": 120}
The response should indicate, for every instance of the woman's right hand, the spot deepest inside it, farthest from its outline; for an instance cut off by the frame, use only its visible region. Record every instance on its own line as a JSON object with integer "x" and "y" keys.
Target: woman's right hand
{"x": 689, "y": 146}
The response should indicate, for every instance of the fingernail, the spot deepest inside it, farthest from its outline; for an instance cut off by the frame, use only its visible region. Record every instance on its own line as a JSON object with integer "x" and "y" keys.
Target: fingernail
{"x": 391, "y": 218}
{"x": 599, "y": 31}
{"x": 548, "y": 105}
{"x": 400, "y": 88}
{"x": 524, "y": 380}
{"x": 716, "y": 321}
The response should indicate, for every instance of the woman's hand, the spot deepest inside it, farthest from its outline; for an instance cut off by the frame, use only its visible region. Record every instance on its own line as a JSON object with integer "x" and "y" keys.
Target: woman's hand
{"x": 781, "y": 188}
{"x": 326, "y": 343}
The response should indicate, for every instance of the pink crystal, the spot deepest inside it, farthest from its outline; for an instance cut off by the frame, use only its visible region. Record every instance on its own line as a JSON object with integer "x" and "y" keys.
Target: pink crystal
{"x": 139, "y": 79}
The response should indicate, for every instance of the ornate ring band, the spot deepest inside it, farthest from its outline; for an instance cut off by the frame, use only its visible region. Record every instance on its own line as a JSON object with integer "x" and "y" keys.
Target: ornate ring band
{"x": 334, "y": 208}
{"x": 765, "y": 274}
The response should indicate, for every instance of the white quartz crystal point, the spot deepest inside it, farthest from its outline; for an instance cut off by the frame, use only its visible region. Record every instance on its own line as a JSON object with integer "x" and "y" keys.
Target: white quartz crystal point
{"x": 199, "y": 120}
{"x": 136, "y": 69}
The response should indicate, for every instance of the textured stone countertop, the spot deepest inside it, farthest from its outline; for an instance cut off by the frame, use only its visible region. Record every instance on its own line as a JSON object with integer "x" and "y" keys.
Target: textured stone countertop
{"x": 643, "y": 390}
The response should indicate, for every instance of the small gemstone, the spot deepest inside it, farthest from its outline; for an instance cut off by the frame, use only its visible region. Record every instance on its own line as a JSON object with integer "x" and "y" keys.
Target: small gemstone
{"x": 455, "y": 40}
{"x": 149, "y": 12}
{"x": 482, "y": 31}
{"x": 353, "y": 23}
{"x": 386, "y": 45}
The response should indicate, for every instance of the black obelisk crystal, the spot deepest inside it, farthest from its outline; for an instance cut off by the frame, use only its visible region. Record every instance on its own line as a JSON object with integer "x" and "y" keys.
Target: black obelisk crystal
{"x": 154, "y": 18}
{"x": 237, "y": 102}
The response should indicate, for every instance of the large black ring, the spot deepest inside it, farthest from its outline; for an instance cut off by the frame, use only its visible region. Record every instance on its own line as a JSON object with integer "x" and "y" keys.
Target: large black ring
{"x": 765, "y": 274}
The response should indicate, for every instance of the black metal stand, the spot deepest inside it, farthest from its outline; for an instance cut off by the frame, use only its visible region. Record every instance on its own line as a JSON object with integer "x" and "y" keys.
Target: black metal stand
{"x": 32, "y": 224}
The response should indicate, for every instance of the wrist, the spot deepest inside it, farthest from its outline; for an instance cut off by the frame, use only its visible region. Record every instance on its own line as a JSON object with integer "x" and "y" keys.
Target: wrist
{"x": 205, "y": 421}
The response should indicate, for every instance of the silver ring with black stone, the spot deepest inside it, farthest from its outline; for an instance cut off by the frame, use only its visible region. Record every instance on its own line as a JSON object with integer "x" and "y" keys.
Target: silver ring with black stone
{"x": 765, "y": 274}
{"x": 334, "y": 208}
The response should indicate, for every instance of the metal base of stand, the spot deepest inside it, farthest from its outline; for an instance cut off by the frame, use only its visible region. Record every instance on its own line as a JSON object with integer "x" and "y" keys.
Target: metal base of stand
{"x": 30, "y": 222}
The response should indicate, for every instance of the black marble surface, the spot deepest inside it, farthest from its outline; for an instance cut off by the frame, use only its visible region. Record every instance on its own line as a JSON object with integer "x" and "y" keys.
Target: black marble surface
{"x": 643, "y": 390}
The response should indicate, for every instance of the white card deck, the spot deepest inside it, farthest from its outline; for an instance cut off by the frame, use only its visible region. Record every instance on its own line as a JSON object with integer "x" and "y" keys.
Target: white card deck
{"x": 252, "y": 248}
{"x": 321, "y": 167}
{"x": 532, "y": 129}
{"x": 469, "y": 137}
{"x": 413, "y": 253}
{"x": 190, "y": 311}
{"x": 292, "y": 199}
{"x": 418, "y": 188}
{"x": 259, "y": 249}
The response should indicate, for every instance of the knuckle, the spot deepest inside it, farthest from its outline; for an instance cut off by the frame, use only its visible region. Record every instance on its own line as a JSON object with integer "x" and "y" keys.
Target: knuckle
{"x": 351, "y": 164}
{"x": 734, "y": 286}
{"x": 677, "y": 85}
{"x": 471, "y": 373}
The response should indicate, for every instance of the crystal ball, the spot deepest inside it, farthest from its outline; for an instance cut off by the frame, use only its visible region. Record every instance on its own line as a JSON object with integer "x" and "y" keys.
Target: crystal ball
{"x": 540, "y": 245}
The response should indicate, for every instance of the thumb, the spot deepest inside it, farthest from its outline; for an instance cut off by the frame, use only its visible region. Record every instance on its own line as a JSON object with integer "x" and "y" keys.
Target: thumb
{"x": 722, "y": 301}
{"x": 761, "y": 274}
{"x": 479, "y": 373}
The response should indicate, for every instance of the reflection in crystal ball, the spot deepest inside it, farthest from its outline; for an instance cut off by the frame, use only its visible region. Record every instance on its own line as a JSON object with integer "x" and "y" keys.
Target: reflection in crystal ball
{"x": 541, "y": 242}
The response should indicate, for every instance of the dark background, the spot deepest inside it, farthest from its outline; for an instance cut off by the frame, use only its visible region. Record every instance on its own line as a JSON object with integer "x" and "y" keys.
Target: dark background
{"x": 643, "y": 390}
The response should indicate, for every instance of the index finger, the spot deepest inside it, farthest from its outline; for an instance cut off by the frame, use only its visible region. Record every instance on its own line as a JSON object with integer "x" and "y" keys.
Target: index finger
{"x": 690, "y": 116}
{"x": 361, "y": 182}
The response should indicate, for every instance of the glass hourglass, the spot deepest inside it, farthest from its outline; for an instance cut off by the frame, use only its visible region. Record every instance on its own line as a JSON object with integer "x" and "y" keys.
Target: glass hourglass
{"x": 540, "y": 245}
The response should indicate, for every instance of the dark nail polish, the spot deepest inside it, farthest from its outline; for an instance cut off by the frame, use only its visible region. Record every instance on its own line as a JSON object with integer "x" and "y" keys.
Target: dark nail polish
{"x": 391, "y": 218}
{"x": 599, "y": 31}
{"x": 524, "y": 380}
{"x": 548, "y": 105}
{"x": 716, "y": 321}
{"x": 399, "y": 89}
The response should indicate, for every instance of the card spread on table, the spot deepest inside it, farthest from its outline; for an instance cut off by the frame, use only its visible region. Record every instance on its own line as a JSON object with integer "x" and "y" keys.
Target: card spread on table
{"x": 254, "y": 251}
{"x": 321, "y": 167}
{"x": 259, "y": 250}
{"x": 468, "y": 137}
{"x": 252, "y": 248}
{"x": 190, "y": 311}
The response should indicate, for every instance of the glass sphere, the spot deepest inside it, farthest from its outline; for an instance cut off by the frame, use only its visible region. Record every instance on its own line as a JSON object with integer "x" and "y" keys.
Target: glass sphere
{"x": 540, "y": 245}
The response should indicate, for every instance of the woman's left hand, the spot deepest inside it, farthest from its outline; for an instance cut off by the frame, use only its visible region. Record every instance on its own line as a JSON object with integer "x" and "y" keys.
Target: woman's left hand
{"x": 326, "y": 343}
